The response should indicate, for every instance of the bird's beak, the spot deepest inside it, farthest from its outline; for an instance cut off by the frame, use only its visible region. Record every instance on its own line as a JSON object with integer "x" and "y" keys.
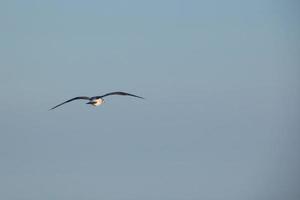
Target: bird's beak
{"x": 89, "y": 102}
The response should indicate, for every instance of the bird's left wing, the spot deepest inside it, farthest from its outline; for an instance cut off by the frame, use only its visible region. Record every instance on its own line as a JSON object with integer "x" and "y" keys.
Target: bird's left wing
{"x": 119, "y": 93}
{"x": 76, "y": 98}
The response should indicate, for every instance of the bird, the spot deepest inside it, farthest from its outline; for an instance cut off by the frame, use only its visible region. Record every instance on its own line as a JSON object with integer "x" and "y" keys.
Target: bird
{"x": 96, "y": 100}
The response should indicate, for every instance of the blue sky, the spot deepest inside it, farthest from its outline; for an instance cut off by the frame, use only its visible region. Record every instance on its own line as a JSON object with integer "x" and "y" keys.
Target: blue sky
{"x": 220, "y": 119}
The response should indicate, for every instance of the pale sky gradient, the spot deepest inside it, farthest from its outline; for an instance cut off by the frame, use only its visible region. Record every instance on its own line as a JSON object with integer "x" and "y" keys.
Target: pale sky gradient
{"x": 220, "y": 119}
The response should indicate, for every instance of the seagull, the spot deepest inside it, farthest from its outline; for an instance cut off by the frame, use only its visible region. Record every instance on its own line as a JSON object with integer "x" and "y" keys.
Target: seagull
{"x": 96, "y": 100}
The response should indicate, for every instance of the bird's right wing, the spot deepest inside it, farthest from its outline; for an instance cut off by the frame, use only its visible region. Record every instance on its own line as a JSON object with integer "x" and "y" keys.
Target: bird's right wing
{"x": 119, "y": 93}
{"x": 76, "y": 98}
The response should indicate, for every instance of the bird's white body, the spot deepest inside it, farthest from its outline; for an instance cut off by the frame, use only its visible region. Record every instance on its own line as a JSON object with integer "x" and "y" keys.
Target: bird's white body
{"x": 97, "y": 102}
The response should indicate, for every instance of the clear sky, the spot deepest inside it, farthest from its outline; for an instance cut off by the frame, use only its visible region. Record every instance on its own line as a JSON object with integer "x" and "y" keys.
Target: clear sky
{"x": 220, "y": 119}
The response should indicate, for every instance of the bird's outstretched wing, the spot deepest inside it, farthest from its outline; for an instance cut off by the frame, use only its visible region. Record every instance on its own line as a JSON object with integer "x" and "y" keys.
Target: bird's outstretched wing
{"x": 118, "y": 93}
{"x": 76, "y": 98}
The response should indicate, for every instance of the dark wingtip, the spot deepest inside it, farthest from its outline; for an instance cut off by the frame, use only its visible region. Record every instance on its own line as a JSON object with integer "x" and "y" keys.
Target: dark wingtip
{"x": 139, "y": 97}
{"x": 53, "y": 108}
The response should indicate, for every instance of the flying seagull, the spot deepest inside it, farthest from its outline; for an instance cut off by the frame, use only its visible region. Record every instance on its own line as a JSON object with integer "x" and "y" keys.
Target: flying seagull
{"x": 96, "y": 100}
